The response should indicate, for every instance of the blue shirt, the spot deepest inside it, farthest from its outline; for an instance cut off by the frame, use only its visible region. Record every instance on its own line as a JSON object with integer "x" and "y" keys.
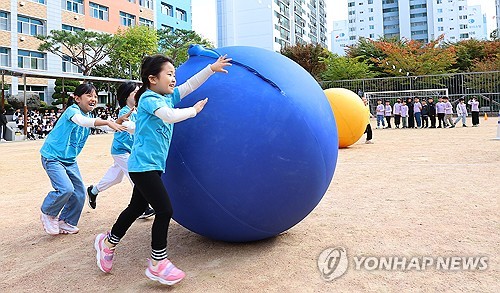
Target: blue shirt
{"x": 67, "y": 138}
{"x": 152, "y": 135}
{"x": 123, "y": 141}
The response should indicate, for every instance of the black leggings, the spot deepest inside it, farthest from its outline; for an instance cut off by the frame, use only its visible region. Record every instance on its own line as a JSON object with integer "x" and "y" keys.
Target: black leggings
{"x": 148, "y": 188}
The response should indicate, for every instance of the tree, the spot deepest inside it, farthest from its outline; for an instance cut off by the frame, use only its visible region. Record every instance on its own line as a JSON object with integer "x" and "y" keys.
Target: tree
{"x": 415, "y": 58}
{"x": 85, "y": 48}
{"x": 59, "y": 96}
{"x": 310, "y": 56}
{"x": 366, "y": 50}
{"x": 125, "y": 60}
{"x": 175, "y": 43}
{"x": 471, "y": 52}
{"x": 342, "y": 68}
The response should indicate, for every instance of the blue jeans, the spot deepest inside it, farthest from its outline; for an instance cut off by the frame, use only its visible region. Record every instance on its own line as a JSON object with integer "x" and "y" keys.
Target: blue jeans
{"x": 418, "y": 119}
{"x": 68, "y": 194}
{"x": 380, "y": 120}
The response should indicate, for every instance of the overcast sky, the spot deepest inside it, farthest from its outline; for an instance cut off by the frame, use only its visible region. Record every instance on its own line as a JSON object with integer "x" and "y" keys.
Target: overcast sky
{"x": 204, "y": 16}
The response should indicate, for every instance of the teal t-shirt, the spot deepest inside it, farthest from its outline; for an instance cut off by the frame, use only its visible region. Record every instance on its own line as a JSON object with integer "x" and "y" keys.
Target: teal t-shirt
{"x": 152, "y": 135}
{"x": 66, "y": 140}
{"x": 123, "y": 141}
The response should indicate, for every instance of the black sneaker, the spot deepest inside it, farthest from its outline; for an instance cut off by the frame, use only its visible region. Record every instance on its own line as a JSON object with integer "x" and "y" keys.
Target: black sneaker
{"x": 92, "y": 197}
{"x": 149, "y": 212}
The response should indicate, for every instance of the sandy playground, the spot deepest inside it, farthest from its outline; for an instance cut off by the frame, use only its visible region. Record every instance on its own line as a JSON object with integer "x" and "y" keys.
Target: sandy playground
{"x": 422, "y": 192}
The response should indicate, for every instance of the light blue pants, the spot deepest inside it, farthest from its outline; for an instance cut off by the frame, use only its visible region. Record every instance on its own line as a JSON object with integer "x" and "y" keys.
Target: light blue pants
{"x": 461, "y": 116}
{"x": 68, "y": 194}
{"x": 380, "y": 120}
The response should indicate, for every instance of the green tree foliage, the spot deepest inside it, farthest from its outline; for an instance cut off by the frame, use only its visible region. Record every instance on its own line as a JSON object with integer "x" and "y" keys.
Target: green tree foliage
{"x": 85, "y": 48}
{"x": 175, "y": 43}
{"x": 59, "y": 96}
{"x": 342, "y": 68}
{"x": 310, "y": 56}
{"x": 125, "y": 60}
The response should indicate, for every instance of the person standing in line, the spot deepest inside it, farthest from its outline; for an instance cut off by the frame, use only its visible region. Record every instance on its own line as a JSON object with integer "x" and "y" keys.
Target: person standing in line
{"x": 440, "y": 112}
{"x": 388, "y": 113}
{"x": 411, "y": 120}
{"x": 397, "y": 113}
{"x": 380, "y": 114}
{"x": 461, "y": 112}
{"x": 448, "y": 112}
{"x": 404, "y": 115}
{"x": 474, "y": 111}
{"x": 432, "y": 112}
{"x": 417, "y": 112}
{"x": 425, "y": 114}
{"x": 368, "y": 130}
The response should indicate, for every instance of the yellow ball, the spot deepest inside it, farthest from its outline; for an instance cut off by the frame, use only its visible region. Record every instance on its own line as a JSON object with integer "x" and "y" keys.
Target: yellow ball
{"x": 350, "y": 113}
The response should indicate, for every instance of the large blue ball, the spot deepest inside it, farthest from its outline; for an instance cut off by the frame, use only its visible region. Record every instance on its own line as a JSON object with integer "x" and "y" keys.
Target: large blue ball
{"x": 260, "y": 156}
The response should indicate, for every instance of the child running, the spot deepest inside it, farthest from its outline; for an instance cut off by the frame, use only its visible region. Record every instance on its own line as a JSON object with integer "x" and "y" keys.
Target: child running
{"x": 154, "y": 125}
{"x": 62, "y": 207}
{"x": 120, "y": 149}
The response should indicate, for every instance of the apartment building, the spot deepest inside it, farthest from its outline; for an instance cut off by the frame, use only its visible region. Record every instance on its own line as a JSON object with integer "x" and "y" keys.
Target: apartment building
{"x": 422, "y": 20}
{"x": 271, "y": 24}
{"x": 22, "y": 20}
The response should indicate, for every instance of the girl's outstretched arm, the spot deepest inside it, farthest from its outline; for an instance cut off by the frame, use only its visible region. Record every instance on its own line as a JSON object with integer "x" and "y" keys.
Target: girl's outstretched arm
{"x": 174, "y": 115}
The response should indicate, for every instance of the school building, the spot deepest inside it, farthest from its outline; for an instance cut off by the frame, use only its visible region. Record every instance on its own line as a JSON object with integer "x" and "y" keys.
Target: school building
{"x": 22, "y": 20}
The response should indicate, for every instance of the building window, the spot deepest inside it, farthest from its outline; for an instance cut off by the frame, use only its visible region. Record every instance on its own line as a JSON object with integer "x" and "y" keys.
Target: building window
{"x": 167, "y": 9}
{"x": 131, "y": 1}
{"x": 370, "y": 18}
{"x": 146, "y": 22}
{"x": 38, "y": 1}
{"x": 370, "y": 1}
{"x": 73, "y": 5}
{"x": 30, "y": 60}
{"x": 70, "y": 28}
{"x": 67, "y": 66}
{"x": 167, "y": 27}
{"x": 372, "y": 36}
{"x": 4, "y": 57}
{"x": 99, "y": 11}
{"x": 463, "y": 26}
{"x": 146, "y": 3}
{"x": 439, "y": 1}
{"x": 464, "y": 36}
{"x": 440, "y": 19}
{"x": 180, "y": 14}
{"x": 127, "y": 19}
{"x": 4, "y": 21}
{"x": 36, "y": 89}
{"x": 29, "y": 26}
{"x": 440, "y": 28}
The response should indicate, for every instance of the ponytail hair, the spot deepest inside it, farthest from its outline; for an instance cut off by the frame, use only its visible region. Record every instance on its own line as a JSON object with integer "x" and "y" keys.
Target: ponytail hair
{"x": 151, "y": 65}
{"x": 124, "y": 90}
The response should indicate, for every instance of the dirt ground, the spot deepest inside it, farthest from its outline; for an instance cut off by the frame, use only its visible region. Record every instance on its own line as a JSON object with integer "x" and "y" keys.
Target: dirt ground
{"x": 419, "y": 192}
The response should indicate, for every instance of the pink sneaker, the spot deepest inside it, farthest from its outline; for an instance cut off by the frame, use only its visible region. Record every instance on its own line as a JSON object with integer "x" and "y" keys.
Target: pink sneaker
{"x": 165, "y": 272}
{"x": 104, "y": 254}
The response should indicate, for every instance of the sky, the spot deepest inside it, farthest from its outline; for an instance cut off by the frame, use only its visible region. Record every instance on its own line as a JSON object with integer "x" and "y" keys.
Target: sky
{"x": 204, "y": 15}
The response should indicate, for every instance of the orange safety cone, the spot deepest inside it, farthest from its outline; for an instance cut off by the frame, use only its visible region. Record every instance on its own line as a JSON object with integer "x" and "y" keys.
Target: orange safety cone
{"x": 485, "y": 116}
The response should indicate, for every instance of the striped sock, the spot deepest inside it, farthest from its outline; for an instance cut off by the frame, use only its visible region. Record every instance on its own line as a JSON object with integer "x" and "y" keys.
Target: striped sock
{"x": 159, "y": 255}
{"x": 113, "y": 239}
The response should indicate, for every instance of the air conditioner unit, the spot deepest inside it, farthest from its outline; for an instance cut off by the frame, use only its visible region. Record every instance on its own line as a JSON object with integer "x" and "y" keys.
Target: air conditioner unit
{"x": 22, "y": 39}
{"x": 22, "y": 3}
{"x": 75, "y": 17}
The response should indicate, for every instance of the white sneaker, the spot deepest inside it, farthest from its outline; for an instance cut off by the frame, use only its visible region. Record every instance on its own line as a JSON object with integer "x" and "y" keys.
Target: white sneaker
{"x": 50, "y": 224}
{"x": 65, "y": 228}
